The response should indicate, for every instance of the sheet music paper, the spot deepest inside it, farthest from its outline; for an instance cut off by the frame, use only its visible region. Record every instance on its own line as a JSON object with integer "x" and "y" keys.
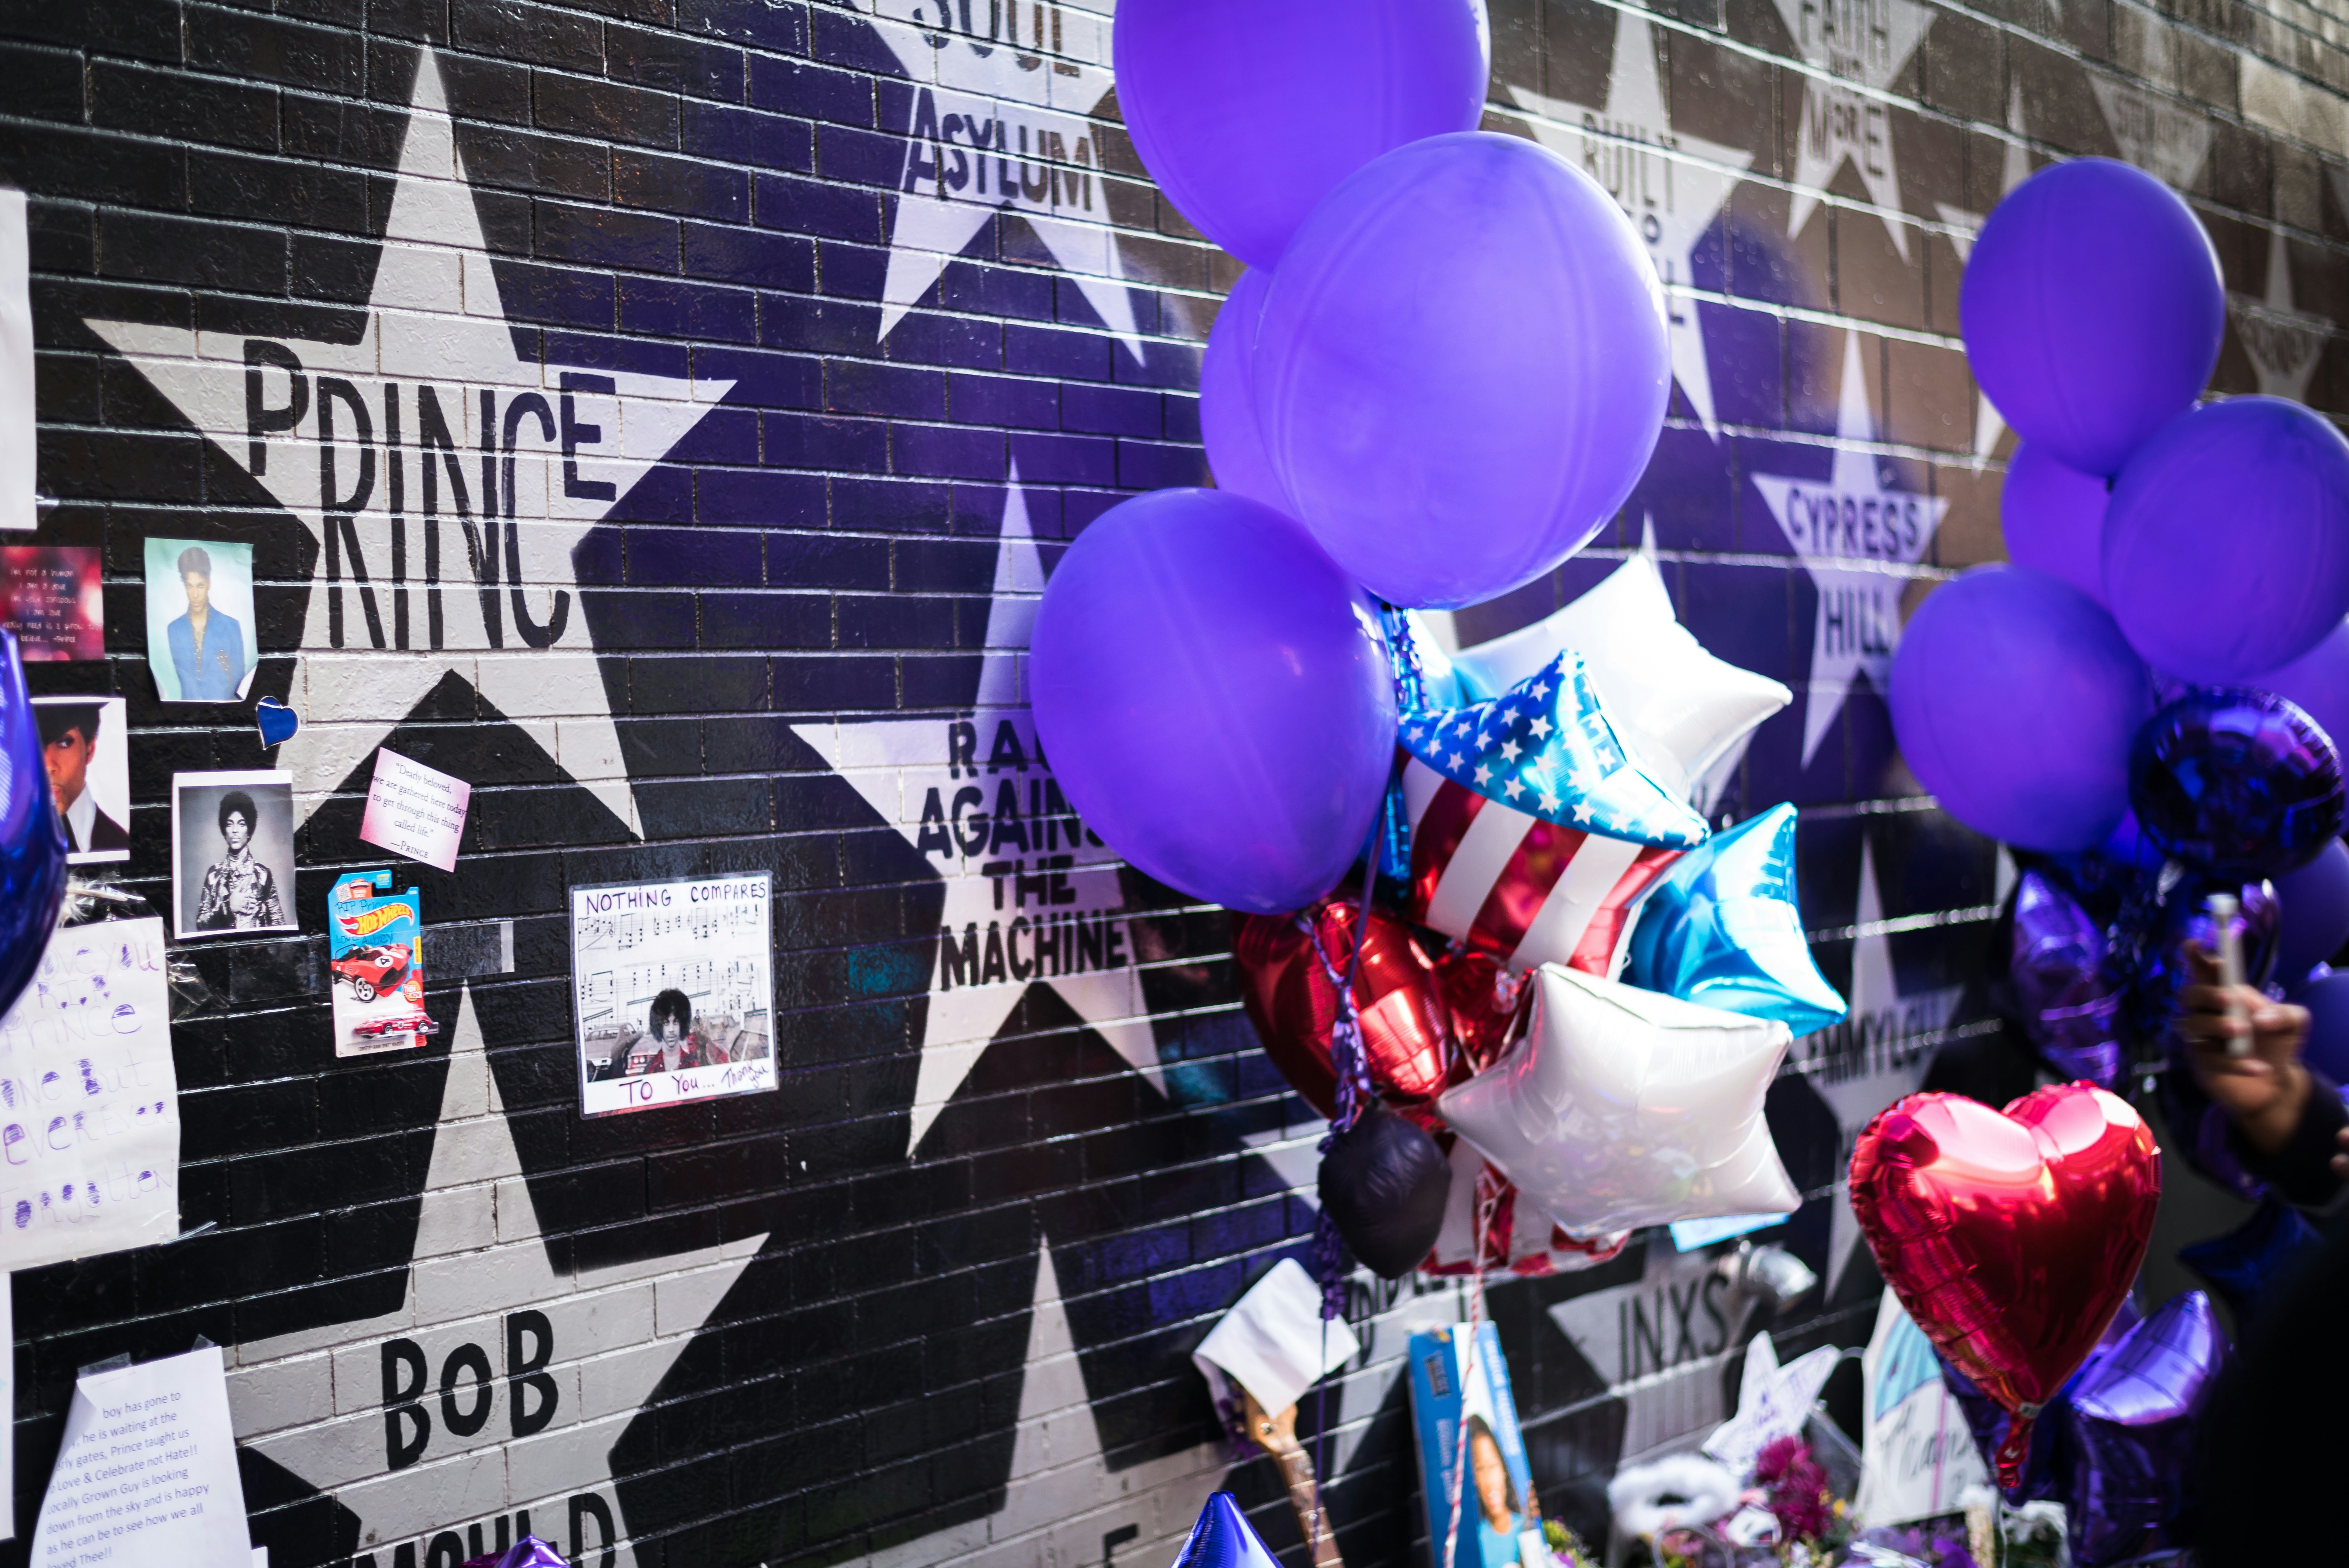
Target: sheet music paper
{"x": 673, "y": 992}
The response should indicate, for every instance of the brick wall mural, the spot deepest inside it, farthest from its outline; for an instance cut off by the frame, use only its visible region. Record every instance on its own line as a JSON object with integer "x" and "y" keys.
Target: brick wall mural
{"x": 664, "y": 415}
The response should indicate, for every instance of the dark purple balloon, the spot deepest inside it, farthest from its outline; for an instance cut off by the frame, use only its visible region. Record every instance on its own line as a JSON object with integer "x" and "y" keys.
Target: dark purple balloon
{"x": 2054, "y": 518}
{"x": 2227, "y": 541}
{"x": 2014, "y": 699}
{"x": 2070, "y": 1002}
{"x": 32, "y": 840}
{"x": 2318, "y": 681}
{"x": 2249, "y": 1265}
{"x": 2315, "y": 900}
{"x": 1227, "y": 425}
{"x": 2092, "y": 310}
{"x": 2236, "y": 783}
{"x": 2327, "y": 1001}
{"x": 2131, "y": 1429}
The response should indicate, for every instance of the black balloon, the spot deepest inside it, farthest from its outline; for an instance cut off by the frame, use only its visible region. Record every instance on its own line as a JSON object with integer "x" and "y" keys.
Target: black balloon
{"x": 1383, "y": 1185}
{"x": 2239, "y": 784}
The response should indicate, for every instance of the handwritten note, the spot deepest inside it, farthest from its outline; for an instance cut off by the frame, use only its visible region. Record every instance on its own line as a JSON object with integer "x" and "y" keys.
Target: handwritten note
{"x": 414, "y": 810}
{"x": 89, "y": 1112}
{"x": 674, "y": 996}
{"x": 148, "y": 1471}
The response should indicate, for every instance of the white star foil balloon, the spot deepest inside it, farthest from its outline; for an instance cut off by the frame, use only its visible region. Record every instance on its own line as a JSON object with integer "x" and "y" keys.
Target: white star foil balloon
{"x": 1623, "y": 1108}
{"x": 1679, "y": 708}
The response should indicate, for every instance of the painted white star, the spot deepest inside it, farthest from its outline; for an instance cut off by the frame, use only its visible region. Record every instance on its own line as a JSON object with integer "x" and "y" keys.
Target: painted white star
{"x": 1878, "y": 1052}
{"x": 1462, "y": 727}
{"x": 417, "y": 582}
{"x": 1019, "y": 83}
{"x": 1550, "y": 803}
{"x": 318, "y": 1402}
{"x": 1512, "y": 788}
{"x": 1671, "y": 185}
{"x": 2165, "y": 139}
{"x": 1862, "y": 47}
{"x": 1540, "y": 728}
{"x": 2283, "y": 343}
{"x": 973, "y": 793}
{"x": 1661, "y": 1342}
{"x": 1484, "y": 774}
{"x": 1855, "y": 534}
{"x": 1062, "y": 1503}
{"x": 1451, "y": 758}
{"x": 1509, "y": 749}
{"x": 1965, "y": 225}
{"x": 1540, "y": 690}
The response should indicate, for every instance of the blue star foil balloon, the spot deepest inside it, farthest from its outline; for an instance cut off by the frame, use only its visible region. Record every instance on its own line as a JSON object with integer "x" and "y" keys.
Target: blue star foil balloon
{"x": 2239, "y": 784}
{"x": 1547, "y": 747}
{"x": 1722, "y": 928}
{"x": 2130, "y": 1433}
{"x": 2067, "y": 994}
{"x": 2248, "y": 1265}
{"x": 32, "y": 841}
{"x": 1223, "y": 1538}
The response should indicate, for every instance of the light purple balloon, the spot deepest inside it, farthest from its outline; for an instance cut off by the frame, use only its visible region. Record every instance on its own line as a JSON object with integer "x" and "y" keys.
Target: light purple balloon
{"x": 1248, "y": 112}
{"x": 1227, "y": 422}
{"x": 2092, "y": 310}
{"x": 2318, "y": 681}
{"x": 2014, "y": 698}
{"x": 2227, "y": 541}
{"x": 1216, "y": 698}
{"x": 1462, "y": 368}
{"x": 2054, "y": 518}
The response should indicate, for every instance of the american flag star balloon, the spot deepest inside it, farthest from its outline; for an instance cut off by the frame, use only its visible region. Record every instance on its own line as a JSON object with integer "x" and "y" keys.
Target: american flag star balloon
{"x": 1547, "y": 747}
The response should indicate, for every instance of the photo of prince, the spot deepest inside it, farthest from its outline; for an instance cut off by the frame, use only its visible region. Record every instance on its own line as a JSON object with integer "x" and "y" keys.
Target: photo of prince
{"x": 68, "y": 741}
{"x": 207, "y": 646}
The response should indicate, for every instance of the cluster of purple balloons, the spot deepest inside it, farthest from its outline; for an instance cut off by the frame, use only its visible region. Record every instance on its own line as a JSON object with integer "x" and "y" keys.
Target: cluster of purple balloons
{"x": 1442, "y": 374}
{"x": 2155, "y": 543}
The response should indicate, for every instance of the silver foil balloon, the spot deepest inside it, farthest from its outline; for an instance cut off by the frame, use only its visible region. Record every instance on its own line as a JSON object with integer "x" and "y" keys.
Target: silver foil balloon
{"x": 1623, "y": 1108}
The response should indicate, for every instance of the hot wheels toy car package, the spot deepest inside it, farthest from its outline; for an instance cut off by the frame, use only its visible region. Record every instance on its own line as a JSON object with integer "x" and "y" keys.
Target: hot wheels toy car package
{"x": 376, "y": 953}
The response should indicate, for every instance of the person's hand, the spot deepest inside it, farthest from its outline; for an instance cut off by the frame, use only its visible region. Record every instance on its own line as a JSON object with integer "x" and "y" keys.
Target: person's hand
{"x": 2264, "y": 1093}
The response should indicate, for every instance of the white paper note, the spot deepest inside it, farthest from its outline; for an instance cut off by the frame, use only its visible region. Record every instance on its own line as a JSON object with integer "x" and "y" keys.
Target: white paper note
{"x": 414, "y": 810}
{"x": 89, "y": 1105}
{"x": 17, "y": 508}
{"x": 148, "y": 1471}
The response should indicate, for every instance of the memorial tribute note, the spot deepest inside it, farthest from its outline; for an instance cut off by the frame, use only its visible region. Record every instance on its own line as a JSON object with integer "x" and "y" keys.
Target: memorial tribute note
{"x": 90, "y": 1104}
{"x": 148, "y": 1471}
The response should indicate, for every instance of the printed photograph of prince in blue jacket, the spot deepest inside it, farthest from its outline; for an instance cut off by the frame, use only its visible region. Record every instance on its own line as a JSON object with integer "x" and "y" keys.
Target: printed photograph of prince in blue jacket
{"x": 207, "y": 654}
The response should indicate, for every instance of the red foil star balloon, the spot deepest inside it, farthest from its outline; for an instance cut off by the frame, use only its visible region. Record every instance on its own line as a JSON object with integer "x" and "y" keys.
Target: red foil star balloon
{"x": 2010, "y": 1236}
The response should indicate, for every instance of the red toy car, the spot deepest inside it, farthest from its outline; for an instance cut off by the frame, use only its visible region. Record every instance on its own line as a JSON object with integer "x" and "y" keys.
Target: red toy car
{"x": 371, "y": 970}
{"x": 407, "y": 1024}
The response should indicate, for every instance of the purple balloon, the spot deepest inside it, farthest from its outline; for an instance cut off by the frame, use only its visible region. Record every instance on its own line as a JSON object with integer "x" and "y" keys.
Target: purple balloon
{"x": 2226, "y": 542}
{"x": 2092, "y": 310}
{"x": 32, "y": 838}
{"x": 2315, "y": 899}
{"x": 2014, "y": 699}
{"x": 1247, "y": 113}
{"x": 2318, "y": 681}
{"x": 2236, "y": 783}
{"x": 2054, "y": 518}
{"x": 2327, "y": 1001}
{"x": 1216, "y": 698}
{"x": 1462, "y": 368}
{"x": 2069, "y": 1001}
{"x": 1227, "y": 421}
{"x": 2134, "y": 1416}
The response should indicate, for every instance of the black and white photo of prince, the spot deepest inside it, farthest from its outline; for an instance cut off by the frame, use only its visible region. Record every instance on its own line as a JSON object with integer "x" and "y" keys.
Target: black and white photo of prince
{"x": 233, "y": 840}
{"x": 239, "y": 892}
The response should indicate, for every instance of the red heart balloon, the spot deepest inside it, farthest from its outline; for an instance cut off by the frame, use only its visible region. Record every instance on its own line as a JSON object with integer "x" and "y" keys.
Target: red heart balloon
{"x": 2010, "y": 1236}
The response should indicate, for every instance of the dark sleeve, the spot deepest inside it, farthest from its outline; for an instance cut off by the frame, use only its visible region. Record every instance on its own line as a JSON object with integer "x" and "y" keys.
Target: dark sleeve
{"x": 2302, "y": 1169}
